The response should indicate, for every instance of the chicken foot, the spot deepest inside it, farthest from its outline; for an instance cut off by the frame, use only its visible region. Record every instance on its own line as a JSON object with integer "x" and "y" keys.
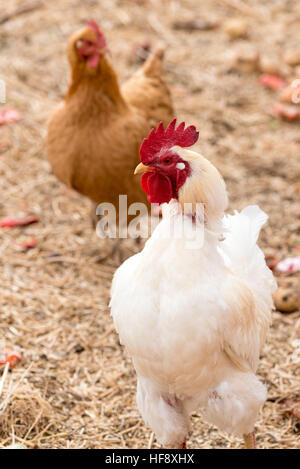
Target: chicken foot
{"x": 250, "y": 441}
{"x": 183, "y": 445}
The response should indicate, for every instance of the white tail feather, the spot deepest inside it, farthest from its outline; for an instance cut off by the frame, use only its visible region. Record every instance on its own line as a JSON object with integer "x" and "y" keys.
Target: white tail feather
{"x": 243, "y": 256}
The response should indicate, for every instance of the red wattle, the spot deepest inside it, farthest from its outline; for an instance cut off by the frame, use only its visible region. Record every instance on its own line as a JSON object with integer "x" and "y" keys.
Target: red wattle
{"x": 158, "y": 187}
{"x": 93, "y": 60}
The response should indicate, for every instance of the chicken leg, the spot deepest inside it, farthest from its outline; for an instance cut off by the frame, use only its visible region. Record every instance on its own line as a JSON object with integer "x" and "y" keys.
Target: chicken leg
{"x": 183, "y": 445}
{"x": 250, "y": 440}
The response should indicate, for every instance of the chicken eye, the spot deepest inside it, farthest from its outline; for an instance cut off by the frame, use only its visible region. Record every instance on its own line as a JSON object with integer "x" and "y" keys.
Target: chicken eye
{"x": 167, "y": 161}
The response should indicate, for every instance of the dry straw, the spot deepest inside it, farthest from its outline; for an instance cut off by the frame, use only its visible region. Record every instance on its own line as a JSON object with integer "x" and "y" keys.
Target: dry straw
{"x": 75, "y": 387}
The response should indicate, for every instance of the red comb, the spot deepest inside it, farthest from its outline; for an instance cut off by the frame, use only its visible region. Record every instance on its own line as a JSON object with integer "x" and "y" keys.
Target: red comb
{"x": 94, "y": 26}
{"x": 163, "y": 139}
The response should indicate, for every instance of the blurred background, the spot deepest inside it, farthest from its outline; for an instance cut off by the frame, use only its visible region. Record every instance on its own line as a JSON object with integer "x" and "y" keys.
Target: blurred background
{"x": 227, "y": 64}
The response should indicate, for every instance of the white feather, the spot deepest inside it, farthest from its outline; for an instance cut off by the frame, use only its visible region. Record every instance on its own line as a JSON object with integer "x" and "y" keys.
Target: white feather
{"x": 243, "y": 256}
{"x": 193, "y": 322}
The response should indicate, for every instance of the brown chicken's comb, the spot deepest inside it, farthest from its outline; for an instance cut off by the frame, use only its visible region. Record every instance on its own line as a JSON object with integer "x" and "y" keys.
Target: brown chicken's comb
{"x": 161, "y": 138}
{"x": 94, "y": 26}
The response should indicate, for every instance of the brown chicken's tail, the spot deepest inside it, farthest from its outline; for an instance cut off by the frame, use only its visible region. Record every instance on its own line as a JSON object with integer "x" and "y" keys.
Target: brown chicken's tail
{"x": 154, "y": 64}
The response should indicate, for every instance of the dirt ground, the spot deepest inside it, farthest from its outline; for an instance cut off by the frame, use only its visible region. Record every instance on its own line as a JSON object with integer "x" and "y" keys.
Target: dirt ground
{"x": 75, "y": 387}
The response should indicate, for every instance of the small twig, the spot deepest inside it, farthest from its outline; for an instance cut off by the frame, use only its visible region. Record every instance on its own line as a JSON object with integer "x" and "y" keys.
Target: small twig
{"x": 151, "y": 440}
{"x": 127, "y": 430}
{"x": 12, "y": 389}
{"x": 13, "y": 438}
{"x": 39, "y": 436}
{"x": 53, "y": 436}
{"x": 20, "y": 11}
{"x": 4, "y": 377}
{"x": 34, "y": 424}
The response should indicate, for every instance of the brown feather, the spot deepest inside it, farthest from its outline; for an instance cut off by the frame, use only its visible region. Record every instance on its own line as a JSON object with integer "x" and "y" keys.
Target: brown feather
{"x": 95, "y": 134}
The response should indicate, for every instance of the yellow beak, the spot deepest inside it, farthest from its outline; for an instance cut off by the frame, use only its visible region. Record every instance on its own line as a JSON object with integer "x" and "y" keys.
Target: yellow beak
{"x": 141, "y": 168}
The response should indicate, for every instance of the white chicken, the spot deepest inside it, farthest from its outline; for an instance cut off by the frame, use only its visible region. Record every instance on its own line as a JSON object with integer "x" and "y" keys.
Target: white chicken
{"x": 193, "y": 309}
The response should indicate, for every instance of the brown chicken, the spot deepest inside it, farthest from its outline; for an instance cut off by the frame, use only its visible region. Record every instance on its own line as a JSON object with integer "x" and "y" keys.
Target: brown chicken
{"x": 95, "y": 133}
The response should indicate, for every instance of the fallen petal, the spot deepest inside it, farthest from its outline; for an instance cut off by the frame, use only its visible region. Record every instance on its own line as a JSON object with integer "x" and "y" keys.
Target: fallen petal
{"x": 26, "y": 242}
{"x": 10, "y": 222}
{"x": 288, "y": 112}
{"x": 290, "y": 264}
{"x": 9, "y": 115}
{"x": 9, "y": 355}
{"x": 273, "y": 82}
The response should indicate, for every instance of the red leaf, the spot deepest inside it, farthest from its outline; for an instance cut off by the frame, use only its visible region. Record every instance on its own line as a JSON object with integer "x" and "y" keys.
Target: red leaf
{"x": 8, "y": 355}
{"x": 9, "y": 115}
{"x": 273, "y": 82}
{"x": 26, "y": 242}
{"x": 290, "y": 264}
{"x": 288, "y": 112}
{"x": 9, "y": 222}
